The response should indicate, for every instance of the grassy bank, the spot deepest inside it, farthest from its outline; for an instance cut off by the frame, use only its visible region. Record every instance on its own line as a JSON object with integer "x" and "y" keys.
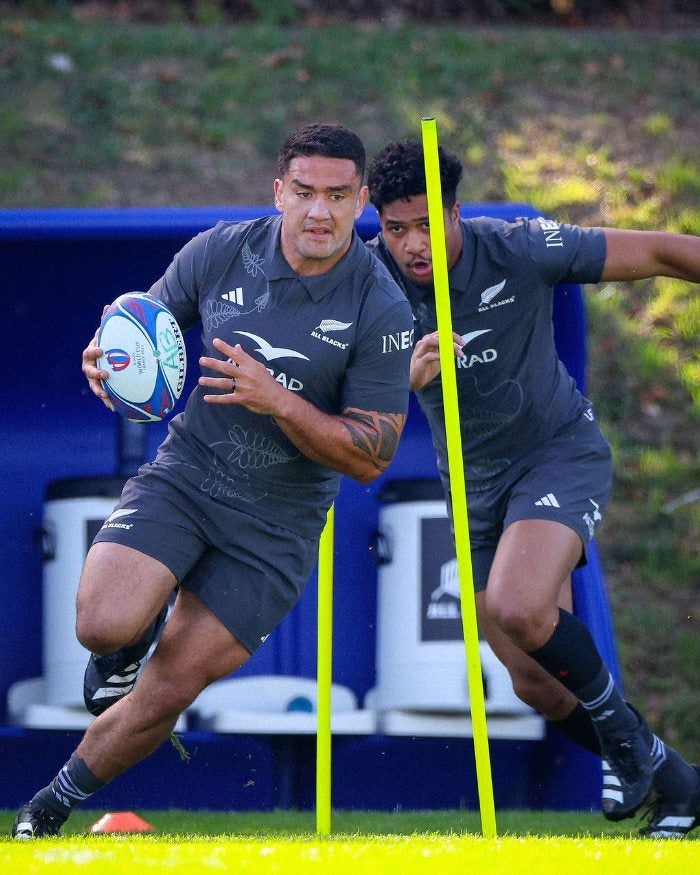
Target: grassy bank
{"x": 595, "y": 127}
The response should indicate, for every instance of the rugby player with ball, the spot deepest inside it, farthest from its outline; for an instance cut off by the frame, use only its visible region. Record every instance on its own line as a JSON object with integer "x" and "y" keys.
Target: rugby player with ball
{"x": 231, "y": 509}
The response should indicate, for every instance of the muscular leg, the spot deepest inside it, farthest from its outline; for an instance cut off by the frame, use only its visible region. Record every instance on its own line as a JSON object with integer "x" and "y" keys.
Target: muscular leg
{"x": 121, "y": 591}
{"x": 533, "y": 560}
{"x": 535, "y": 686}
{"x": 531, "y": 683}
{"x": 196, "y": 649}
{"x": 674, "y": 779}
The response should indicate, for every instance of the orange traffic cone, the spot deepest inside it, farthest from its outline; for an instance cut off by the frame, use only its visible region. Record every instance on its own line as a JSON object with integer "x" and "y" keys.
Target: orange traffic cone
{"x": 121, "y": 821}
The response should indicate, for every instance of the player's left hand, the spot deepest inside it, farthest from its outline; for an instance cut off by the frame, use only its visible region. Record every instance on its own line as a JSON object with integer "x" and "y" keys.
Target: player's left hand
{"x": 425, "y": 360}
{"x": 244, "y": 380}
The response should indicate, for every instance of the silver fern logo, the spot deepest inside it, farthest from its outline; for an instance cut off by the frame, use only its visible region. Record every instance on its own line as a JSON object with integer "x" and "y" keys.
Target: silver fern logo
{"x": 488, "y": 297}
{"x": 332, "y": 325}
{"x": 489, "y": 294}
{"x": 216, "y": 313}
{"x": 249, "y": 449}
{"x": 251, "y": 262}
{"x": 327, "y": 326}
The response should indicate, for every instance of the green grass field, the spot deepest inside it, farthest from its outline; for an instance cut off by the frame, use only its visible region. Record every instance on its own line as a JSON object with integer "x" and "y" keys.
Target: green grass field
{"x": 349, "y": 852}
{"x": 285, "y": 841}
{"x": 420, "y": 853}
{"x": 294, "y": 823}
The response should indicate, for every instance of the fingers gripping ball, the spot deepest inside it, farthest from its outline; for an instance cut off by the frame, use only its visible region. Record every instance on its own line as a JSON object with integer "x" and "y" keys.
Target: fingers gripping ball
{"x": 144, "y": 353}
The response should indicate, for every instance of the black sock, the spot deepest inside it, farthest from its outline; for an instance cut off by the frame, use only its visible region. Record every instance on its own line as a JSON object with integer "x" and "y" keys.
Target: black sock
{"x": 572, "y": 657}
{"x": 73, "y": 784}
{"x": 607, "y": 708}
{"x": 578, "y": 727}
{"x": 674, "y": 779}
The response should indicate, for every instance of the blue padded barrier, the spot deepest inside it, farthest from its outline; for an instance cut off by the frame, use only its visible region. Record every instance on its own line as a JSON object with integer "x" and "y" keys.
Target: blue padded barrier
{"x": 59, "y": 267}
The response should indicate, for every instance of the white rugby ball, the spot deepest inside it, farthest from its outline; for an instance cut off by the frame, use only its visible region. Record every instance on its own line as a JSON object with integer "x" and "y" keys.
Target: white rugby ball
{"x": 144, "y": 353}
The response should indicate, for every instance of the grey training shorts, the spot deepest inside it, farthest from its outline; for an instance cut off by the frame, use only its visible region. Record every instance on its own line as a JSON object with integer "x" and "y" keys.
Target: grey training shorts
{"x": 249, "y": 573}
{"x": 568, "y": 481}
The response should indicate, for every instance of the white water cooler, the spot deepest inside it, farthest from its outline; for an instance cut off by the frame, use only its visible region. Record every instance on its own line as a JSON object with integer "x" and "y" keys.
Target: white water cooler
{"x": 74, "y": 511}
{"x": 421, "y": 668}
{"x": 420, "y": 655}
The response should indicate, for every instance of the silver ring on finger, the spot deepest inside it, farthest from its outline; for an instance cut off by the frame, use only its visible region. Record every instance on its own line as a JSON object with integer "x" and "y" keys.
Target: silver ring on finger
{"x": 233, "y": 385}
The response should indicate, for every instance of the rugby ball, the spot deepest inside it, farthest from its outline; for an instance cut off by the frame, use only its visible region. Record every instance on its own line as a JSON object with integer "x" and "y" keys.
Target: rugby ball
{"x": 144, "y": 353}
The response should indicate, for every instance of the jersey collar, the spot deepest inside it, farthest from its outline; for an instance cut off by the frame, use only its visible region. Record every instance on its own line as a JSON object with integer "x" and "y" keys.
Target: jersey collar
{"x": 316, "y": 286}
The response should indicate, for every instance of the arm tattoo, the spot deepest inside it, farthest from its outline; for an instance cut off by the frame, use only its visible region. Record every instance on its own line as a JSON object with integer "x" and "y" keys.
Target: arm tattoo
{"x": 376, "y": 434}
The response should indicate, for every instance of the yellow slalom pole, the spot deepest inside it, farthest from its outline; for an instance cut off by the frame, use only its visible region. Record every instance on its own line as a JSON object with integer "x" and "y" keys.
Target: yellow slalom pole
{"x": 324, "y": 676}
{"x": 457, "y": 478}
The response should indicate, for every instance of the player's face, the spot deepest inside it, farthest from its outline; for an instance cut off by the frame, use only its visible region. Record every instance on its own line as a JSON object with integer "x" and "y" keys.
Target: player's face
{"x": 319, "y": 199}
{"x": 407, "y": 235}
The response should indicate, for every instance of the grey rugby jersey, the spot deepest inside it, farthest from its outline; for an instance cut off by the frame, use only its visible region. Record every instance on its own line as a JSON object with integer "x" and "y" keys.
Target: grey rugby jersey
{"x": 341, "y": 339}
{"x": 513, "y": 391}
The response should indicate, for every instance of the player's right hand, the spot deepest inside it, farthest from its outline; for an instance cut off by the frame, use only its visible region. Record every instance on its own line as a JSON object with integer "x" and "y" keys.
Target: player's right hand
{"x": 93, "y": 374}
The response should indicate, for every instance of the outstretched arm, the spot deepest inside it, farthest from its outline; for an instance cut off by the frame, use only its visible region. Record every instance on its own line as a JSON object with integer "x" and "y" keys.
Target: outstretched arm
{"x": 633, "y": 255}
{"x": 359, "y": 443}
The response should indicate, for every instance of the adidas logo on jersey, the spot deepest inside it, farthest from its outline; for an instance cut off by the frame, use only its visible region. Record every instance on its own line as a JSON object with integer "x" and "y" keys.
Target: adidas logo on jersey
{"x": 548, "y": 500}
{"x": 235, "y": 296}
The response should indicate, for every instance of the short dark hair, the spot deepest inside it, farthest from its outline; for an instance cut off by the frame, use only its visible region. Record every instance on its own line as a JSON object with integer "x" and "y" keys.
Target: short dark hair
{"x": 328, "y": 140}
{"x": 397, "y": 172}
